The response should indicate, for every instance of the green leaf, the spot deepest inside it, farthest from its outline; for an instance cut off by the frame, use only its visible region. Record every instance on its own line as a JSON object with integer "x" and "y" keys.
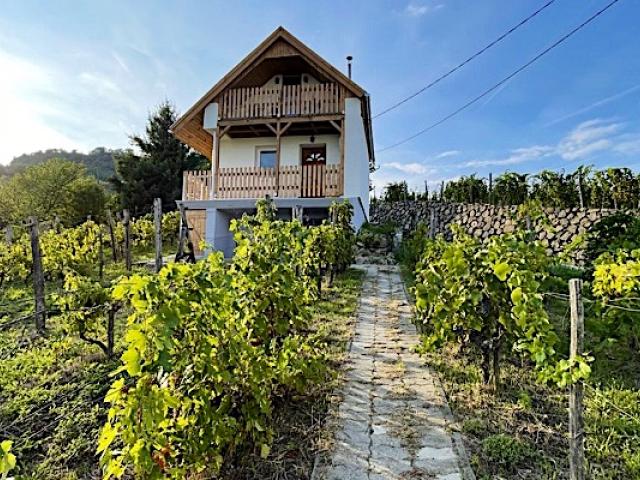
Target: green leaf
{"x": 131, "y": 360}
{"x": 516, "y": 296}
{"x": 264, "y": 450}
{"x": 501, "y": 270}
{"x": 107, "y": 435}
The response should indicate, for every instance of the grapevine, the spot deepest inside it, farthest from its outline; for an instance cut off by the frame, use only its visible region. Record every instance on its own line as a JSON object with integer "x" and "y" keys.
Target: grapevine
{"x": 486, "y": 296}
{"x": 210, "y": 346}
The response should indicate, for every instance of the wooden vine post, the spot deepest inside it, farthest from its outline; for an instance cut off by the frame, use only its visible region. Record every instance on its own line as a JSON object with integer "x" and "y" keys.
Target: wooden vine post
{"x": 8, "y": 235}
{"x": 111, "y": 321}
{"x": 433, "y": 222}
{"x": 157, "y": 220}
{"x": 126, "y": 221}
{"x": 491, "y": 188}
{"x": 40, "y": 313}
{"x": 112, "y": 236}
{"x": 576, "y": 409}
{"x": 580, "y": 194}
{"x": 101, "y": 252}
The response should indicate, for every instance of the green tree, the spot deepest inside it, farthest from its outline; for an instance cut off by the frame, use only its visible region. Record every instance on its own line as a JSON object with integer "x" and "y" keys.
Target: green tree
{"x": 153, "y": 168}
{"x": 54, "y": 188}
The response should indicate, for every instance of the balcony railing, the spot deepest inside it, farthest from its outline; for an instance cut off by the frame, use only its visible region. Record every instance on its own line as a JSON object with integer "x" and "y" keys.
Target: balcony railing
{"x": 295, "y": 181}
{"x": 281, "y": 101}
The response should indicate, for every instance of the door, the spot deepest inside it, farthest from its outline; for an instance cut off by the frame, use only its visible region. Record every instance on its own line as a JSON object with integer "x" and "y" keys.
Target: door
{"x": 314, "y": 160}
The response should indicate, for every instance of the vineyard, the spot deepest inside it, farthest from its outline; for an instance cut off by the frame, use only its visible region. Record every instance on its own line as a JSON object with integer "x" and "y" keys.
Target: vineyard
{"x": 585, "y": 187}
{"x": 500, "y": 315}
{"x": 168, "y": 374}
{"x": 110, "y": 366}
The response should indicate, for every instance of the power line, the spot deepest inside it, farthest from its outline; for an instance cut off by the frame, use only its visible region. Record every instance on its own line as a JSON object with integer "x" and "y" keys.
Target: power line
{"x": 504, "y": 80}
{"x": 468, "y": 60}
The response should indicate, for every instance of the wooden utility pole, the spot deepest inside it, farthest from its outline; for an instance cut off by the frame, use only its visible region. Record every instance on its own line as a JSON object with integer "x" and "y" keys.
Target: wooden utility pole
{"x": 8, "y": 235}
{"x": 576, "y": 419}
{"x": 442, "y": 191}
{"x": 157, "y": 219}
{"x": 38, "y": 276}
{"x": 126, "y": 221}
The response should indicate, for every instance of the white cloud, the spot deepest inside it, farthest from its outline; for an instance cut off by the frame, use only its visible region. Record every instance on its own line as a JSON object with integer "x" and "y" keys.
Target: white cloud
{"x": 628, "y": 145}
{"x": 412, "y": 168}
{"x": 518, "y": 155}
{"x": 419, "y": 9}
{"x": 448, "y": 153}
{"x": 99, "y": 83}
{"x": 599, "y": 103}
{"x": 26, "y": 125}
{"x": 587, "y": 138}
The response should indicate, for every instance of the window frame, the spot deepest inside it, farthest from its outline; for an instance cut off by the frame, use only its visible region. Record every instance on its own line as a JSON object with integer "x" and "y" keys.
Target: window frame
{"x": 265, "y": 148}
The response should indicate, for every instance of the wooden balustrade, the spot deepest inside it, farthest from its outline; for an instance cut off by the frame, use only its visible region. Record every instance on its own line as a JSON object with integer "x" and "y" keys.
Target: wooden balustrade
{"x": 248, "y": 182}
{"x": 281, "y": 101}
{"x": 196, "y": 185}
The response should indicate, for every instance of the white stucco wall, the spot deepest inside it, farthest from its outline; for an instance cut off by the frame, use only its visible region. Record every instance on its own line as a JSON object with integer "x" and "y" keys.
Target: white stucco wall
{"x": 272, "y": 81}
{"x": 241, "y": 152}
{"x": 356, "y": 155}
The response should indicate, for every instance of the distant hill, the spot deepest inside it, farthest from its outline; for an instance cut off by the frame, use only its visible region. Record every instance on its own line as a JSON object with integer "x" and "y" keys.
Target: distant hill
{"x": 99, "y": 161}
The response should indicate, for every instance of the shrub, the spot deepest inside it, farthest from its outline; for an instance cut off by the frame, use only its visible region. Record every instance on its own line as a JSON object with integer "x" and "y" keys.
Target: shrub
{"x": 619, "y": 231}
{"x": 616, "y": 285}
{"x": 411, "y": 248}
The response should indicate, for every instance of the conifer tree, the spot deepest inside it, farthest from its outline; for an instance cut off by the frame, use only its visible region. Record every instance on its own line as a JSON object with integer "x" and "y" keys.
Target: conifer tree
{"x": 153, "y": 167}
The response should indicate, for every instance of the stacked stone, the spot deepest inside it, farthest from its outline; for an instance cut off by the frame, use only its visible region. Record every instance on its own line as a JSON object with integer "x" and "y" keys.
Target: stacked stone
{"x": 483, "y": 220}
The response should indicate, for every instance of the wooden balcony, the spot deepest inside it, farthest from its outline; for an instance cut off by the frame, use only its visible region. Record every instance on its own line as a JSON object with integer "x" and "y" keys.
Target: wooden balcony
{"x": 314, "y": 181}
{"x": 281, "y": 101}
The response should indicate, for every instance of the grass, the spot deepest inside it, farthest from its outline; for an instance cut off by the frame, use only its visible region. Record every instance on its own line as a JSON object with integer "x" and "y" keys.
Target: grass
{"x": 51, "y": 391}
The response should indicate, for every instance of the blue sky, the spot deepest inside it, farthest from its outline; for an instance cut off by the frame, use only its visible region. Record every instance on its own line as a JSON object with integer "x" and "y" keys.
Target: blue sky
{"x": 80, "y": 74}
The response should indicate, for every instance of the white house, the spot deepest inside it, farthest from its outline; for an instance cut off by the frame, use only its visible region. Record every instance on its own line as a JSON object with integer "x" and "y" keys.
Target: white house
{"x": 283, "y": 123}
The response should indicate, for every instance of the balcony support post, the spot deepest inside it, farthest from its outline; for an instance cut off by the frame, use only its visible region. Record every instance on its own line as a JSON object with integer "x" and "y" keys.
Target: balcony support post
{"x": 341, "y": 176}
{"x": 215, "y": 167}
{"x": 278, "y": 149}
{"x": 340, "y": 128}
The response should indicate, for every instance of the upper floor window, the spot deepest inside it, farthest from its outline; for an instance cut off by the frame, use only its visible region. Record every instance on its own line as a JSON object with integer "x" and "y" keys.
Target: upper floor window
{"x": 266, "y": 157}
{"x": 292, "y": 79}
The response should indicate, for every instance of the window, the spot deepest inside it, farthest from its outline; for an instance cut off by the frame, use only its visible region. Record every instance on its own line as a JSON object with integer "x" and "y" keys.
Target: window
{"x": 267, "y": 158}
{"x": 293, "y": 79}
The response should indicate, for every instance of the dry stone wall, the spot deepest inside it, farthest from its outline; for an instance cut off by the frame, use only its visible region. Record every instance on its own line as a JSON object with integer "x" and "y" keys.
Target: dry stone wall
{"x": 483, "y": 220}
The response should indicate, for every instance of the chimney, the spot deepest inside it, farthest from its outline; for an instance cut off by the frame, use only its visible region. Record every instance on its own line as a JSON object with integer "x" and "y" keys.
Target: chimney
{"x": 349, "y": 58}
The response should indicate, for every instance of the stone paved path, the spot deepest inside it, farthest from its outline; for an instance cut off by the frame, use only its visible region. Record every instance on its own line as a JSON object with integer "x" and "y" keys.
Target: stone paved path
{"x": 392, "y": 422}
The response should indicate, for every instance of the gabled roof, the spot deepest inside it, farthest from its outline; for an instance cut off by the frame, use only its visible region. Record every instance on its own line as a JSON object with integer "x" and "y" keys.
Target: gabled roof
{"x": 280, "y": 42}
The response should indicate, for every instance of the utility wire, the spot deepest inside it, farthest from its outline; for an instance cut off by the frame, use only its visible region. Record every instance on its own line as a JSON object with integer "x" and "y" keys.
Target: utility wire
{"x": 468, "y": 60}
{"x": 504, "y": 80}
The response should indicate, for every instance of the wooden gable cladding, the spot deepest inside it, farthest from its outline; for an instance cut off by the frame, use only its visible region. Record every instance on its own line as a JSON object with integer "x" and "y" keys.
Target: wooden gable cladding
{"x": 280, "y": 48}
